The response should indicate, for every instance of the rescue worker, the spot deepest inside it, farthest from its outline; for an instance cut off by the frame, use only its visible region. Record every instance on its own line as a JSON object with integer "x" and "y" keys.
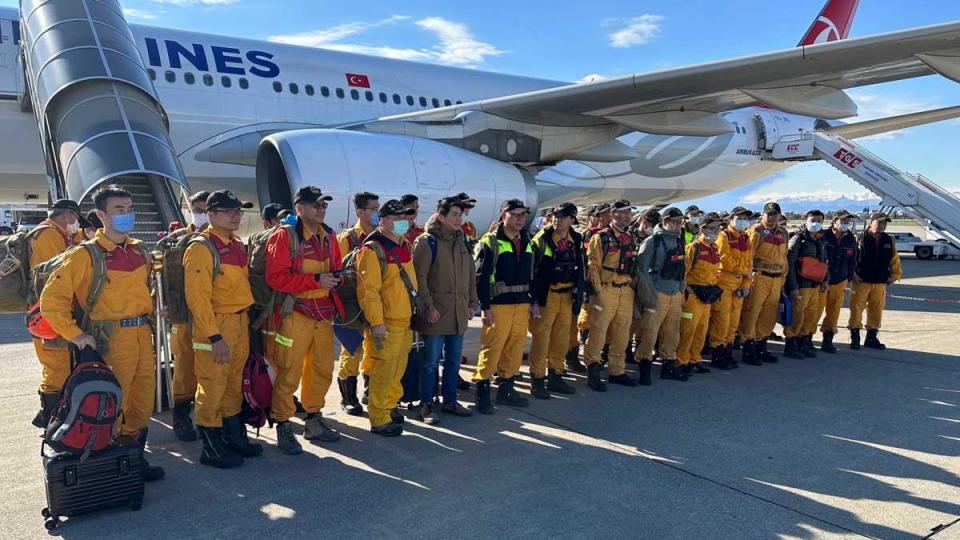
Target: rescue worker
{"x": 367, "y": 208}
{"x": 691, "y": 223}
{"x": 118, "y": 325}
{"x": 702, "y": 268}
{"x": 218, "y": 305}
{"x": 50, "y": 238}
{"x": 469, "y": 229}
{"x": 270, "y": 215}
{"x": 304, "y": 340}
{"x": 181, "y": 336}
{"x": 448, "y": 292}
{"x": 412, "y": 202}
{"x": 559, "y": 272}
{"x": 661, "y": 264}
{"x": 612, "y": 254}
{"x": 504, "y": 261}
{"x": 599, "y": 221}
{"x": 768, "y": 243}
{"x": 642, "y": 226}
{"x": 842, "y": 251}
{"x": 94, "y": 223}
{"x": 878, "y": 266}
{"x": 386, "y": 292}
{"x": 807, "y": 278}
{"x": 736, "y": 276}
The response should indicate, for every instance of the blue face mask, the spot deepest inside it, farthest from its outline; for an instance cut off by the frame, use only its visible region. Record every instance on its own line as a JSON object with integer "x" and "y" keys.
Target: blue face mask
{"x": 290, "y": 220}
{"x": 123, "y": 223}
{"x": 401, "y": 227}
{"x": 814, "y": 226}
{"x": 741, "y": 225}
{"x": 375, "y": 220}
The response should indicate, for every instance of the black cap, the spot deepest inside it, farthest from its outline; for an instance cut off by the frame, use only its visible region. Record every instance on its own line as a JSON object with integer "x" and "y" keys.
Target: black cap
{"x": 225, "y": 199}
{"x": 93, "y": 219}
{"x": 65, "y": 204}
{"x": 879, "y": 216}
{"x": 409, "y": 199}
{"x": 394, "y": 208}
{"x": 843, "y": 214}
{"x": 310, "y": 195}
{"x": 566, "y": 209}
{"x": 771, "y": 207}
{"x": 672, "y": 212}
{"x": 510, "y": 205}
{"x": 711, "y": 219}
{"x": 650, "y": 215}
{"x": 692, "y": 208}
{"x": 270, "y": 212}
{"x": 602, "y": 208}
{"x": 740, "y": 211}
{"x": 450, "y": 202}
{"x": 620, "y": 204}
{"x": 468, "y": 201}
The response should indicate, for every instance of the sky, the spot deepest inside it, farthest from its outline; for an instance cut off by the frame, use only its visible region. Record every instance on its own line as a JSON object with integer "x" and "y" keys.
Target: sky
{"x": 573, "y": 40}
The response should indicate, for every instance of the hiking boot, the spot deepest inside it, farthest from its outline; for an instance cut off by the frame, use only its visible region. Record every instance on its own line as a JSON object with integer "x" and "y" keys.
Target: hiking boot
{"x": 764, "y": 354}
{"x": 718, "y": 358}
{"x": 462, "y": 384}
{"x": 573, "y": 362}
{"x": 595, "y": 378}
{"x": 214, "y": 451}
{"x": 623, "y": 380}
{"x": 427, "y": 415}
{"x": 670, "y": 370}
{"x": 506, "y": 395}
{"x": 388, "y": 430}
{"x": 315, "y": 429}
{"x": 807, "y": 348}
{"x": 455, "y": 409}
{"x": 182, "y": 423}
{"x": 396, "y": 416}
{"x": 827, "y": 345}
{"x": 538, "y": 388}
{"x": 348, "y": 396}
{"x": 286, "y": 440}
{"x": 48, "y": 405}
{"x": 700, "y": 368}
{"x": 555, "y": 383}
{"x": 234, "y": 433}
{"x": 748, "y": 354}
{"x": 873, "y": 342}
{"x": 150, "y": 472}
{"x": 792, "y": 349}
{"x": 483, "y": 398}
{"x": 365, "y": 398}
{"x": 645, "y": 367}
{"x": 731, "y": 358}
{"x": 855, "y": 338}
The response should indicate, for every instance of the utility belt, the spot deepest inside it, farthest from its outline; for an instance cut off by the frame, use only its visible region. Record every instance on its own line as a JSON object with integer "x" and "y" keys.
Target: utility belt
{"x": 764, "y": 267}
{"x": 623, "y": 272}
{"x": 502, "y": 288}
{"x": 616, "y": 285}
{"x": 563, "y": 290}
{"x": 103, "y": 331}
{"x": 771, "y": 274}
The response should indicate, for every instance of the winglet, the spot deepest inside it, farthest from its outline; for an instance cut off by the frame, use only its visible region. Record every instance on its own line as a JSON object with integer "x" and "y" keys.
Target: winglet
{"x": 833, "y": 23}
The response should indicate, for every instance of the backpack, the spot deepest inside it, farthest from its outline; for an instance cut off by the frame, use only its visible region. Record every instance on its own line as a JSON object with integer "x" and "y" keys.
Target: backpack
{"x": 257, "y": 391}
{"x": 89, "y": 404}
{"x": 15, "y": 294}
{"x": 174, "y": 286}
{"x": 347, "y": 290}
{"x": 264, "y": 297}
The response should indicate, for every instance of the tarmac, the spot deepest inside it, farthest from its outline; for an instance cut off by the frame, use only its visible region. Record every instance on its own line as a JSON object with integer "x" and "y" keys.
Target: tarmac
{"x": 857, "y": 444}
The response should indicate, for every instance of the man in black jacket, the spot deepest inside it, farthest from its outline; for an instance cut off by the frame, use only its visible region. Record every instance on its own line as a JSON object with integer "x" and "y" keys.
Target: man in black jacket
{"x": 878, "y": 266}
{"x": 842, "y": 252}
{"x": 807, "y": 277}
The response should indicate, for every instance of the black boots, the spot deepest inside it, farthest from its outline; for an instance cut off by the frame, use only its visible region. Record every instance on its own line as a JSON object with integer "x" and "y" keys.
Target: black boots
{"x": 719, "y": 358}
{"x": 873, "y": 342}
{"x": 806, "y": 347}
{"x": 348, "y": 396}
{"x": 827, "y": 344}
{"x": 645, "y": 367}
{"x": 749, "y": 354}
{"x": 538, "y": 388}
{"x": 507, "y": 395}
{"x": 555, "y": 383}
{"x": 182, "y": 422}
{"x": 215, "y": 452}
{"x": 855, "y": 338}
{"x": 150, "y": 473}
{"x": 573, "y": 362}
{"x": 670, "y": 370}
{"x": 48, "y": 405}
{"x": 595, "y": 378}
{"x": 792, "y": 348}
{"x": 234, "y": 434}
{"x": 484, "y": 406}
{"x": 623, "y": 380}
{"x": 760, "y": 348}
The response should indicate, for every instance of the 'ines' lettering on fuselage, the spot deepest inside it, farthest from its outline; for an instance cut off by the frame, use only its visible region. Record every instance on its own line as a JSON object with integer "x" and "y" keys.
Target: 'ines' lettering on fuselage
{"x": 226, "y": 60}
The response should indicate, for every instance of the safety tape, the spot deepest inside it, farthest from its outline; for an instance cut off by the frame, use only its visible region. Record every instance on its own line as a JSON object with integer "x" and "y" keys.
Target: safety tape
{"x": 686, "y": 315}
{"x": 931, "y": 300}
{"x": 283, "y": 340}
{"x": 202, "y": 347}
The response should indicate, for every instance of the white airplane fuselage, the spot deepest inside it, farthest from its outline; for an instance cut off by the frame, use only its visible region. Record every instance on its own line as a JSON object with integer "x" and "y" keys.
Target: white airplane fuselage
{"x": 216, "y": 88}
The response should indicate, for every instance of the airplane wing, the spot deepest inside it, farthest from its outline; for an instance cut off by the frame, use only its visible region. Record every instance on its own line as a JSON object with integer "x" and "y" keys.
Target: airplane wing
{"x": 806, "y": 80}
{"x": 893, "y": 123}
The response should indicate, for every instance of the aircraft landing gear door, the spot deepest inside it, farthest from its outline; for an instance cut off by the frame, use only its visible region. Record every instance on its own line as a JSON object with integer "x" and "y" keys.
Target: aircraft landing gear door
{"x": 767, "y": 132}
{"x": 435, "y": 176}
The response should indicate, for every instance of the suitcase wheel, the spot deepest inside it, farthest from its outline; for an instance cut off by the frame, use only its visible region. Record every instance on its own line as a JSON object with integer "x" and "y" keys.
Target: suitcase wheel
{"x": 51, "y": 523}
{"x": 45, "y": 512}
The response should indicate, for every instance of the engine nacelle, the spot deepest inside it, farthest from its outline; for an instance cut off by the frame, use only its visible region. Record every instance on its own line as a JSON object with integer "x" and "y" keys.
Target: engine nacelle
{"x": 342, "y": 163}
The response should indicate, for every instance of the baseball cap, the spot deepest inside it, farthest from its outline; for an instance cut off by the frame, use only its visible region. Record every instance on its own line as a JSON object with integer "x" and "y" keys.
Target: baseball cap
{"x": 711, "y": 219}
{"x": 450, "y": 202}
{"x": 510, "y": 205}
{"x": 94, "y": 220}
{"x": 310, "y": 195}
{"x": 620, "y": 204}
{"x": 650, "y": 215}
{"x": 843, "y": 214}
{"x": 566, "y": 209}
{"x": 65, "y": 204}
{"x": 771, "y": 207}
{"x": 394, "y": 207}
{"x": 692, "y": 208}
{"x": 225, "y": 199}
{"x": 602, "y": 208}
{"x": 740, "y": 211}
{"x": 271, "y": 211}
{"x": 879, "y": 216}
{"x": 468, "y": 201}
{"x": 672, "y": 212}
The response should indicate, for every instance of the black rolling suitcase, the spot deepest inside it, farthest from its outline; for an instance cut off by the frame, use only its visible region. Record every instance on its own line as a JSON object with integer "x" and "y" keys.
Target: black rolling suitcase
{"x": 109, "y": 479}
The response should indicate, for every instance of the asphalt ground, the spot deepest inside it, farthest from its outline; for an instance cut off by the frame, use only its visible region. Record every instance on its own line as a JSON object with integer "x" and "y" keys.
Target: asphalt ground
{"x": 857, "y": 444}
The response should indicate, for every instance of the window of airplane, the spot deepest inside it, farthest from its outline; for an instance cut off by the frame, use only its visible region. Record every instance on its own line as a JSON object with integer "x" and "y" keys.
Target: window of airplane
{"x": 189, "y": 78}
{"x": 459, "y": 102}
{"x": 294, "y": 89}
{"x": 324, "y": 91}
{"x": 355, "y": 94}
{"x": 436, "y": 103}
{"x": 308, "y": 89}
{"x": 208, "y": 80}
{"x": 226, "y": 81}
{"x": 153, "y": 74}
{"x": 383, "y": 97}
{"x": 170, "y": 76}
{"x": 423, "y": 101}
{"x": 409, "y": 100}
{"x": 446, "y": 103}
{"x": 277, "y": 87}
{"x": 369, "y": 95}
{"x": 340, "y": 93}
{"x": 244, "y": 83}
{"x": 396, "y": 98}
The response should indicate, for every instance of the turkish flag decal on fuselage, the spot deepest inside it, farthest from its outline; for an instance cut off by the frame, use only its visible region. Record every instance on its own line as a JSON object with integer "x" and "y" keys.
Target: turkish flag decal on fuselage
{"x": 354, "y": 79}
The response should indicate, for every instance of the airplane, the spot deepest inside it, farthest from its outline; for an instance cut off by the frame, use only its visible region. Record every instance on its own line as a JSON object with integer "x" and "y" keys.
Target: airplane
{"x": 262, "y": 118}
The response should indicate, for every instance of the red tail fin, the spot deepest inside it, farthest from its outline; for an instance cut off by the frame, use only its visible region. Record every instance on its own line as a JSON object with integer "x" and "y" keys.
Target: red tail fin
{"x": 833, "y": 23}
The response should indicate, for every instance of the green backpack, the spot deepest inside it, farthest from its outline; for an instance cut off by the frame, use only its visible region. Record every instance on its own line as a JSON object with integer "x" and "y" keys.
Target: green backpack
{"x": 15, "y": 292}
{"x": 174, "y": 285}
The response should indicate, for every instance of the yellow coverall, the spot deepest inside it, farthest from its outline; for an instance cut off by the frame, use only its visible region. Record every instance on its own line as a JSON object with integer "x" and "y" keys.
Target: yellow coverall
{"x": 702, "y": 267}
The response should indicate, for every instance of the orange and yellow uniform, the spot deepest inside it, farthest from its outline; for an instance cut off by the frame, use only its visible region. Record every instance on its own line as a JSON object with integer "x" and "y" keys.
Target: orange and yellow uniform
{"x": 46, "y": 242}
{"x": 702, "y": 260}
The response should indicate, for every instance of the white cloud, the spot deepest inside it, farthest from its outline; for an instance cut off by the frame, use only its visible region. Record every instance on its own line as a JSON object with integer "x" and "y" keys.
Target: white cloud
{"x": 873, "y": 107}
{"x": 593, "y": 77}
{"x": 760, "y": 197}
{"x": 635, "y": 30}
{"x": 132, "y": 13}
{"x": 457, "y": 45}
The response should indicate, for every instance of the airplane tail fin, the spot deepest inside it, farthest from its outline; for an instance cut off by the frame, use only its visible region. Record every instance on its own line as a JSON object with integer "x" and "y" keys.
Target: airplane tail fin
{"x": 832, "y": 24}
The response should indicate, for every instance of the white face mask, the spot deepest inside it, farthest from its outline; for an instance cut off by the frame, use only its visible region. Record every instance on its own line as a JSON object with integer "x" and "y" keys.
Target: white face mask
{"x": 694, "y": 220}
{"x": 199, "y": 220}
{"x": 73, "y": 228}
{"x": 844, "y": 227}
{"x": 741, "y": 224}
{"x": 814, "y": 226}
